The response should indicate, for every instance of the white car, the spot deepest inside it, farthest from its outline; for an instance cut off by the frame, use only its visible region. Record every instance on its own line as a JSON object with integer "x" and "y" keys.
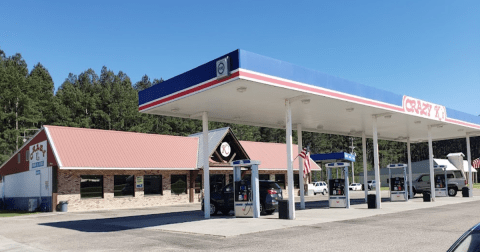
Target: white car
{"x": 320, "y": 187}
{"x": 355, "y": 187}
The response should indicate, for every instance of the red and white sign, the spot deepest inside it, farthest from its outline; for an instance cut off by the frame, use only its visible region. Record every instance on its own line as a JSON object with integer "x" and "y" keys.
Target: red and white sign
{"x": 38, "y": 155}
{"x": 425, "y": 109}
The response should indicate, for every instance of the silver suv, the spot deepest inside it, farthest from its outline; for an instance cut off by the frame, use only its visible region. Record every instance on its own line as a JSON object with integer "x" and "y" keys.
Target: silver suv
{"x": 456, "y": 181}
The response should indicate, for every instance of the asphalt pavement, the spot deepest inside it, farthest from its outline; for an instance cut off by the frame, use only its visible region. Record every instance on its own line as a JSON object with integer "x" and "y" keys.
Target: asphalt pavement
{"x": 398, "y": 226}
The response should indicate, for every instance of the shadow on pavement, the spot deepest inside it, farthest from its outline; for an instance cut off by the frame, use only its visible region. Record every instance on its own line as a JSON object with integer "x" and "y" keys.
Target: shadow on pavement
{"x": 324, "y": 203}
{"x": 130, "y": 222}
{"x": 153, "y": 220}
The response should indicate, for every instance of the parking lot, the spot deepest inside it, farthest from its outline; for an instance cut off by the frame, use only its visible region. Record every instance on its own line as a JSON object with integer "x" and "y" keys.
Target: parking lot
{"x": 398, "y": 226}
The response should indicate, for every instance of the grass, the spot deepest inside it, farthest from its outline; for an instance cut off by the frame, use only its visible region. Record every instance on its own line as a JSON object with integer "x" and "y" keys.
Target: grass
{"x": 8, "y": 213}
{"x": 476, "y": 186}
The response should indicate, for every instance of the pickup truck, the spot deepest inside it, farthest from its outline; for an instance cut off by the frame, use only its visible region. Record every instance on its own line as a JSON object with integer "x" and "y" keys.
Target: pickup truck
{"x": 455, "y": 180}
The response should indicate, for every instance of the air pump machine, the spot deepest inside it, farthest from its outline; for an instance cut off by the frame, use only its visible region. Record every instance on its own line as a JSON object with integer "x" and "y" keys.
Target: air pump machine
{"x": 338, "y": 195}
{"x": 441, "y": 188}
{"x": 246, "y": 196}
{"x": 398, "y": 190}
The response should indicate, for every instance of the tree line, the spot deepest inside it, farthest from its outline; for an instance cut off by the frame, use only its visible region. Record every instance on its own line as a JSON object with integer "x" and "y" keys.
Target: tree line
{"x": 109, "y": 101}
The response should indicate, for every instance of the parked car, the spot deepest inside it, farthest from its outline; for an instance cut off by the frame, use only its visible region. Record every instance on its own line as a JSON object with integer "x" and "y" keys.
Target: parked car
{"x": 468, "y": 242}
{"x": 355, "y": 187}
{"x": 320, "y": 187}
{"x": 371, "y": 184}
{"x": 455, "y": 180}
{"x": 222, "y": 200}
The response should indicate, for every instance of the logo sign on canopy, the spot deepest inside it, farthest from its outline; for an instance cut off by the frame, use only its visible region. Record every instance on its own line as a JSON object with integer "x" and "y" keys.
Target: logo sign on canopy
{"x": 425, "y": 109}
{"x": 37, "y": 155}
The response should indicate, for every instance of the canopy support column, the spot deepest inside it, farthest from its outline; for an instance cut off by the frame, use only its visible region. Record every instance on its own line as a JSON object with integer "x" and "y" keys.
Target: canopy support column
{"x": 365, "y": 175}
{"x": 376, "y": 166}
{"x": 469, "y": 158}
{"x": 409, "y": 156}
{"x": 288, "y": 122}
{"x": 300, "y": 168}
{"x": 430, "y": 159}
{"x": 206, "y": 168}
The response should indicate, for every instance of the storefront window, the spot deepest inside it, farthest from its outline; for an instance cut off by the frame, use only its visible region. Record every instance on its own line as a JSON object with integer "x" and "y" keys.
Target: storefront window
{"x": 91, "y": 186}
{"x": 153, "y": 185}
{"x": 280, "y": 179}
{"x": 179, "y": 184}
{"x": 295, "y": 181}
{"x": 198, "y": 183}
{"x": 123, "y": 185}
{"x": 264, "y": 176}
{"x": 217, "y": 182}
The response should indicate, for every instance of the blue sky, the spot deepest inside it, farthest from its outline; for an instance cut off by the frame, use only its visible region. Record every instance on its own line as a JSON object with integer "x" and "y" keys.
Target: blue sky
{"x": 425, "y": 49}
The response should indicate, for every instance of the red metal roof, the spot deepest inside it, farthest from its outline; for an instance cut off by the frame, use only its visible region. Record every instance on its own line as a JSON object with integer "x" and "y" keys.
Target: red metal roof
{"x": 272, "y": 155}
{"x": 92, "y": 148}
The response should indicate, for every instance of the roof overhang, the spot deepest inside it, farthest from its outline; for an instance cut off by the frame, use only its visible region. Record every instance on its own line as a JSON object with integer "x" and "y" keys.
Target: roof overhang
{"x": 258, "y": 87}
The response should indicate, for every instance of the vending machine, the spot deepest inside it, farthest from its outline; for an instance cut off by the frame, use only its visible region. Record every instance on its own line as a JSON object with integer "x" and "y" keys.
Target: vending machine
{"x": 397, "y": 185}
{"x": 338, "y": 194}
{"x": 246, "y": 193}
{"x": 441, "y": 183}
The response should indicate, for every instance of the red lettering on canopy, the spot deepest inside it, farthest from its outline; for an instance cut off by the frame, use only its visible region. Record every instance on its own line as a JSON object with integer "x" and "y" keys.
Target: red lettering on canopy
{"x": 423, "y": 108}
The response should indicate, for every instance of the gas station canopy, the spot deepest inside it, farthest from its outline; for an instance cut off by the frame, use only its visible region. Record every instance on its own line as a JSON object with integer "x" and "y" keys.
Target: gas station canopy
{"x": 246, "y": 88}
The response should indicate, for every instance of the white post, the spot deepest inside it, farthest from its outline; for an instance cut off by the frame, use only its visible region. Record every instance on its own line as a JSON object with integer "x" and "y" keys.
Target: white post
{"x": 291, "y": 199}
{"x": 256, "y": 191}
{"x": 300, "y": 168}
{"x": 409, "y": 156}
{"x": 469, "y": 158}
{"x": 206, "y": 168}
{"x": 353, "y": 172}
{"x": 376, "y": 166}
{"x": 347, "y": 191}
{"x": 430, "y": 159}
{"x": 365, "y": 175}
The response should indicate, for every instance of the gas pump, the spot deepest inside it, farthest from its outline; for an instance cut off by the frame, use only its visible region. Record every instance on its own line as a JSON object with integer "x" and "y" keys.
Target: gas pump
{"x": 338, "y": 195}
{"x": 246, "y": 196}
{"x": 398, "y": 190}
{"x": 441, "y": 188}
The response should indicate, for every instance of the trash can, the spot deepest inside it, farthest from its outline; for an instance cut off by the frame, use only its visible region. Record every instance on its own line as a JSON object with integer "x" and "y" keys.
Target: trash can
{"x": 465, "y": 192}
{"x": 426, "y": 196}
{"x": 283, "y": 209}
{"x": 372, "y": 201}
{"x": 63, "y": 206}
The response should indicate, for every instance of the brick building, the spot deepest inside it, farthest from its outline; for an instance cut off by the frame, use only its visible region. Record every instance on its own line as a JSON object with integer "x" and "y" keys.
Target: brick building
{"x": 100, "y": 169}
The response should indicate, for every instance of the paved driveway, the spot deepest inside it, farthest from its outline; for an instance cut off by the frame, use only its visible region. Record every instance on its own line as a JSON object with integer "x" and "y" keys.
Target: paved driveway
{"x": 398, "y": 226}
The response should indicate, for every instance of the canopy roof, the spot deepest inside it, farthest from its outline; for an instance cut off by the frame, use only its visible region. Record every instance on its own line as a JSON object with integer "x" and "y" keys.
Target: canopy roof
{"x": 256, "y": 90}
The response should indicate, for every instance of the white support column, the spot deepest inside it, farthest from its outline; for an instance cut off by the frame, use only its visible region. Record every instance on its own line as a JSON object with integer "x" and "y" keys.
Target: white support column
{"x": 469, "y": 158}
{"x": 206, "y": 168}
{"x": 300, "y": 167}
{"x": 291, "y": 199}
{"x": 376, "y": 165}
{"x": 430, "y": 159}
{"x": 353, "y": 171}
{"x": 409, "y": 156}
{"x": 365, "y": 174}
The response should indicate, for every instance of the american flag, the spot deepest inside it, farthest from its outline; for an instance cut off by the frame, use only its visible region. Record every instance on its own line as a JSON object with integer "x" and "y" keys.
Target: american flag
{"x": 306, "y": 161}
{"x": 476, "y": 163}
{"x": 306, "y": 165}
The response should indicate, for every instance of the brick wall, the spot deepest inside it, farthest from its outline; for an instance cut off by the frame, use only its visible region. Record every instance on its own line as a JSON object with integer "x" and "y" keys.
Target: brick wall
{"x": 69, "y": 189}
